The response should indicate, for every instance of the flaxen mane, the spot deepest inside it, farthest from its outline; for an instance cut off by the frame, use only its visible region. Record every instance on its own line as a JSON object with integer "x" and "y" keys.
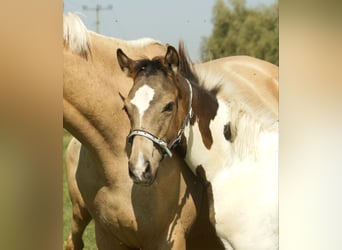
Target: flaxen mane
{"x": 77, "y": 38}
{"x": 75, "y": 35}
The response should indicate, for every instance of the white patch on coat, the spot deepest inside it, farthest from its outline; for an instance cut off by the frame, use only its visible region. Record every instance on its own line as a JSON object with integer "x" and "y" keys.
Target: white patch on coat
{"x": 142, "y": 99}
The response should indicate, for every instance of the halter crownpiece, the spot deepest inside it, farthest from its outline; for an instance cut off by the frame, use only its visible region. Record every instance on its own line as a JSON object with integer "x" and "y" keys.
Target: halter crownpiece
{"x": 161, "y": 143}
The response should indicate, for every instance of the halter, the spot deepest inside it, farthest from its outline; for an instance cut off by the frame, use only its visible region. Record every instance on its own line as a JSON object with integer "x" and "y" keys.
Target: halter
{"x": 161, "y": 143}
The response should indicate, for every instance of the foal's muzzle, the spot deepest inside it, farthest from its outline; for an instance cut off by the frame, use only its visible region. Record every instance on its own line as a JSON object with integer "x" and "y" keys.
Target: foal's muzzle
{"x": 145, "y": 179}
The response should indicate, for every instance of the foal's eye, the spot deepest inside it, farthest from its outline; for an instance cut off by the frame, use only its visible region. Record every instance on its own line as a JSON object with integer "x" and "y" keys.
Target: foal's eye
{"x": 168, "y": 107}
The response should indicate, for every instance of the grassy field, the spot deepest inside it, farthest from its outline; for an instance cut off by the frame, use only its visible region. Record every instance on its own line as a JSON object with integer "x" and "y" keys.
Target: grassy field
{"x": 89, "y": 234}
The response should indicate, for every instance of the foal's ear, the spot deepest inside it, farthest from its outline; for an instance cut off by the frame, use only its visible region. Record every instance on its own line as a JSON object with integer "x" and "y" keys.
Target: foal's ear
{"x": 171, "y": 58}
{"x": 124, "y": 61}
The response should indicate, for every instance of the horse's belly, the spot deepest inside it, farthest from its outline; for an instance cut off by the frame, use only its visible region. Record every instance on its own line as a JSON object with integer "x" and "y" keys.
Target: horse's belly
{"x": 246, "y": 206}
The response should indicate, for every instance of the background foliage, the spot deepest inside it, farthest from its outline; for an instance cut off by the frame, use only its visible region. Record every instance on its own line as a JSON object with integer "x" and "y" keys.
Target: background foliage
{"x": 239, "y": 30}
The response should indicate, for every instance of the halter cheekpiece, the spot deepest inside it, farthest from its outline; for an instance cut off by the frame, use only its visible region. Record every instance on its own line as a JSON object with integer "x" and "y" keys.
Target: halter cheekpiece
{"x": 161, "y": 143}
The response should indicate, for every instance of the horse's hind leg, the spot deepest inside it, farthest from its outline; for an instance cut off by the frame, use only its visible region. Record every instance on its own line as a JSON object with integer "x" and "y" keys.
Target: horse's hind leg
{"x": 80, "y": 220}
{"x": 80, "y": 214}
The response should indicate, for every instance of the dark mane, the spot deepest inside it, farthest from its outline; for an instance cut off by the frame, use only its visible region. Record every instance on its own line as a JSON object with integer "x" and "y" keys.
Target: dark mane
{"x": 185, "y": 64}
{"x": 186, "y": 69}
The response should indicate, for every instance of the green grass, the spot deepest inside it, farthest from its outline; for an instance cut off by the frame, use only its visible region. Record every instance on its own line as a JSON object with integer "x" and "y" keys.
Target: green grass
{"x": 89, "y": 234}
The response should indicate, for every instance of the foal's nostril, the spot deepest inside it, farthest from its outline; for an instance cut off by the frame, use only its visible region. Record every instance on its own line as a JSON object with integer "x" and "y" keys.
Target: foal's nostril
{"x": 148, "y": 172}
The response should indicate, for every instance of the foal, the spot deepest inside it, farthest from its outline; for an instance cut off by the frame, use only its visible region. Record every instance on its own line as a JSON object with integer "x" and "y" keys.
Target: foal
{"x": 236, "y": 150}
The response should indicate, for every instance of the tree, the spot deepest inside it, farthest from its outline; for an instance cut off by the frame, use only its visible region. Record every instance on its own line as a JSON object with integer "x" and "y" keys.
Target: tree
{"x": 239, "y": 30}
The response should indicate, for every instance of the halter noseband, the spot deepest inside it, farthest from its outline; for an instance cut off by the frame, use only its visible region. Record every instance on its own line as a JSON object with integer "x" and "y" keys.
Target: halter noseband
{"x": 161, "y": 143}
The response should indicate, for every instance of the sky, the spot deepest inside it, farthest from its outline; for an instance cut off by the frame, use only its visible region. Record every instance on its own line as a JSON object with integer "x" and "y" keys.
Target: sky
{"x": 165, "y": 20}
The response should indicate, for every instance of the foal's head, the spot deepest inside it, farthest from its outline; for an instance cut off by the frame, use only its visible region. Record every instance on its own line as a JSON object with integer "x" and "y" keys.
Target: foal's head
{"x": 157, "y": 106}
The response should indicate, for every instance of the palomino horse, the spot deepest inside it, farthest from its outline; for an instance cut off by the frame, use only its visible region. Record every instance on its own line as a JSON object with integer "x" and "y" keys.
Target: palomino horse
{"x": 227, "y": 134}
{"x": 126, "y": 216}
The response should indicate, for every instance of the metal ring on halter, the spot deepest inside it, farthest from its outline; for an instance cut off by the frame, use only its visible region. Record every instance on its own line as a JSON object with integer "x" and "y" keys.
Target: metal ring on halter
{"x": 161, "y": 143}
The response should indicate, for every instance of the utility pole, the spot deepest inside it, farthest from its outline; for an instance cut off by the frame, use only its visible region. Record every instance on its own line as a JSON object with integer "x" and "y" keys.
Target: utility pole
{"x": 97, "y": 9}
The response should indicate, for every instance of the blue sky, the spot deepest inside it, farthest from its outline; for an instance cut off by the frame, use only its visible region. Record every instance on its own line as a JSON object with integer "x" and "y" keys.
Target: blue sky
{"x": 164, "y": 20}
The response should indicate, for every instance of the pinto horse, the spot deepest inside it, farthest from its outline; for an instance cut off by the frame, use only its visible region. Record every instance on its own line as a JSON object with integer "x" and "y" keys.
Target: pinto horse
{"x": 226, "y": 132}
{"x": 126, "y": 215}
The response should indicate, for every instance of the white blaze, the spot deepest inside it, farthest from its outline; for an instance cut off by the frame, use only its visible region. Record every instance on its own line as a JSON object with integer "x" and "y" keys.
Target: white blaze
{"x": 142, "y": 98}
